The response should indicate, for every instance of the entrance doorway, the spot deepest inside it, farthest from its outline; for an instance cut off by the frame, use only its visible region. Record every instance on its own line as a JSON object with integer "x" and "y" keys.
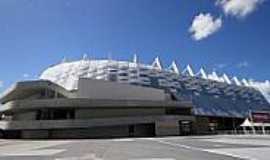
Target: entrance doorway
{"x": 141, "y": 130}
{"x": 185, "y": 127}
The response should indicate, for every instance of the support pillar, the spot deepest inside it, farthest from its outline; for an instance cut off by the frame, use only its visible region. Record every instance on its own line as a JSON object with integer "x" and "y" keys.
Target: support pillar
{"x": 263, "y": 129}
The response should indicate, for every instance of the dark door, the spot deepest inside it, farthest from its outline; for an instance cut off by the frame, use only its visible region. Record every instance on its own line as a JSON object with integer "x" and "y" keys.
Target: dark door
{"x": 185, "y": 127}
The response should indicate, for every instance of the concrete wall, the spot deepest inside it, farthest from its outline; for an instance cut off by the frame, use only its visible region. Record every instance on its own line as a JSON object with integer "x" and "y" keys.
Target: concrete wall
{"x": 34, "y": 134}
{"x": 160, "y": 125}
{"x": 98, "y": 89}
{"x": 201, "y": 125}
{"x": 121, "y": 112}
{"x": 86, "y": 123}
{"x": 25, "y": 89}
{"x": 95, "y": 132}
{"x": 167, "y": 128}
{"x": 25, "y": 116}
{"x": 142, "y": 130}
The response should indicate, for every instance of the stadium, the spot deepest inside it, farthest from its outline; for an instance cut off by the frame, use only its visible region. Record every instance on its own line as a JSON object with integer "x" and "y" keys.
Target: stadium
{"x": 109, "y": 98}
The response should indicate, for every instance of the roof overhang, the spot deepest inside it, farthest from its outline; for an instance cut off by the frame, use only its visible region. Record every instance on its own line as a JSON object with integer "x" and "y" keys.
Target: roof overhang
{"x": 23, "y": 89}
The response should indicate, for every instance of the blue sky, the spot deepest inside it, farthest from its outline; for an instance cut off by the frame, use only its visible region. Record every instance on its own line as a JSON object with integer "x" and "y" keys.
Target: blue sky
{"x": 35, "y": 34}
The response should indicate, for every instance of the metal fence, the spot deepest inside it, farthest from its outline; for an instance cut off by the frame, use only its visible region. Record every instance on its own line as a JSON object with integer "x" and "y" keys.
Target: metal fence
{"x": 242, "y": 132}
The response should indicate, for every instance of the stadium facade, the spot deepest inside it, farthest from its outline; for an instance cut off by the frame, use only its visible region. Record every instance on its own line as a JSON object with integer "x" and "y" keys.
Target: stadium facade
{"x": 108, "y": 98}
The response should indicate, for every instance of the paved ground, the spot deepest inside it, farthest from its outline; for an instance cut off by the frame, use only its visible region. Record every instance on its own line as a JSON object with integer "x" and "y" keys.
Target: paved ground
{"x": 169, "y": 148}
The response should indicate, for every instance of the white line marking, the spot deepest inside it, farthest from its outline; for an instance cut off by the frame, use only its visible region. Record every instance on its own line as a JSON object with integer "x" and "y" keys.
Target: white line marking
{"x": 218, "y": 145}
{"x": 240, "y": 141}
{"x": 228, "y": 154}
{"x": 201, "y": 149}
{"x": 176, "y": 145}
{"x": 261, "y": 153}
{"x": 124, "y": 140}
{"x": 85, "y": 157}
{"x": 31, "y": 148}
{"x": 44, "y": 152}
{"x": 154, "y": 159}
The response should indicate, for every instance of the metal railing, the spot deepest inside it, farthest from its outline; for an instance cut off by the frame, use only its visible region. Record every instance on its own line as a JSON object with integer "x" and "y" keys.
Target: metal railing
{"x": 242, "y": 132}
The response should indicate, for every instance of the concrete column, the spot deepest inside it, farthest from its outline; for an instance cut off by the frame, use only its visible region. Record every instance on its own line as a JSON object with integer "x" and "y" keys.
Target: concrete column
{"x": 253, "y": 129}
{"x": 263, "y": 129}
{"x": 244, "y": 129}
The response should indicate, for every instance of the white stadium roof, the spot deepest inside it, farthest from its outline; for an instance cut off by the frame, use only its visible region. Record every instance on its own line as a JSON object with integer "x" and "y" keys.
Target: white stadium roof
{"x": 67, "y": 74}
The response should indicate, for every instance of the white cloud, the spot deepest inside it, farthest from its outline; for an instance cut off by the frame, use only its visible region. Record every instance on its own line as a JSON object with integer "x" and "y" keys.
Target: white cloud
{"x": 221, "y": 66}
{"x": 1, "y": 84}
{"x": 204, "y": 25}
{"x": 243, "y": 64}
{"x": 238, "y": 8}
{"x": 25, "y": 75}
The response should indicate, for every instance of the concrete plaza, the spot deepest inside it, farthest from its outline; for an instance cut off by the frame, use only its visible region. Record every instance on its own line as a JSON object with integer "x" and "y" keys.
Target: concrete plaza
{"x": 168, "y": 148}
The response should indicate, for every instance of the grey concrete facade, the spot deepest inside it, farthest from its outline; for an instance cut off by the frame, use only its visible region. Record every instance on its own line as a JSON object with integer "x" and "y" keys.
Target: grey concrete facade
{"x": 100, "y": 89}
{"x": 42, "y": 109}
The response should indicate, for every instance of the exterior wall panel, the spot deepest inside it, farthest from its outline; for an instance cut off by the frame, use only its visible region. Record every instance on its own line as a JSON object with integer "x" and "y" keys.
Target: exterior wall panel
{"x": 167, "y": 128}
{"x": 98, "y": 89}
{"x": 106, "y": 113}
{"x": 25, "y": 116}
{"x": 94, "y": 132}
